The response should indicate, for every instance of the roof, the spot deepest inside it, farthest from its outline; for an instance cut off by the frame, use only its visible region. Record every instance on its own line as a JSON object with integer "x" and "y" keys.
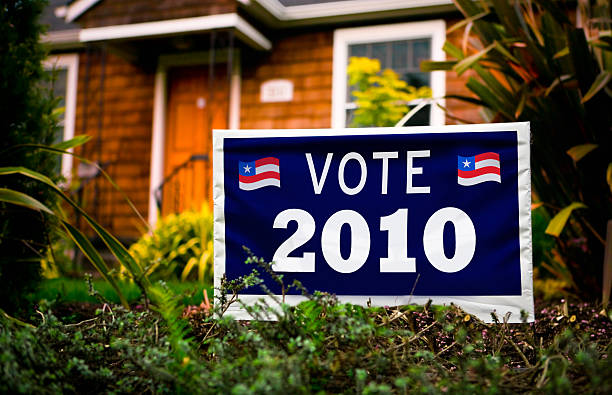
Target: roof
{"x": 61, "y": 15}
{"x": 60, "y": 34}
{"x": 286, "y": 10}
{"x": 54, "y": 19}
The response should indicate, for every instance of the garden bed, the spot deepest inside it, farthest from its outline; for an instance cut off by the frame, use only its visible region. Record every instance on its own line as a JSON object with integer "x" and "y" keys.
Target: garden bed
{"x": 320, "y": 346}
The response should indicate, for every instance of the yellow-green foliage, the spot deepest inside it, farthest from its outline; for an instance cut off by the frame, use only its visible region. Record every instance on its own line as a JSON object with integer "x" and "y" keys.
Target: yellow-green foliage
{"x": 381, "y": 97}
{"x": 180, "y": 247}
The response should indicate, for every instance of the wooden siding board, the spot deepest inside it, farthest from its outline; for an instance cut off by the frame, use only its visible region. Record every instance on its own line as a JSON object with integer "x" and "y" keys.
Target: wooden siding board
{"x": 125, "y": 118}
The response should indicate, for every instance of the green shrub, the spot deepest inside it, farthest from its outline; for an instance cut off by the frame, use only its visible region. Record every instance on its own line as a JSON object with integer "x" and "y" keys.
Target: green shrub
{"x": 31, "y": 216}
{"x": 26, "y": 117}
{"x": 179, "y": 248}
{"x": 531, "y": 62}
{"x": 319, "y": 346}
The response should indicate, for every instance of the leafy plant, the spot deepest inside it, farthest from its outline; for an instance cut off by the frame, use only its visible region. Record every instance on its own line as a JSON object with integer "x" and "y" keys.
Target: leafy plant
{"x": 26, "y": 116}
{"x": 531, "y": 63}
{"x": 382, "y": 98}
{"x": 179, "y": 248}
{"x": 29, "y": 193}
{"x": 80, "y": 240}
{"x": 168, "y": 306}
{"x": 319, "y": 346}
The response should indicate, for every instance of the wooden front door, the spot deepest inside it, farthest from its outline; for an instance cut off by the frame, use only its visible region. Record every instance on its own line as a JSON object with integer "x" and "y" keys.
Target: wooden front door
{"x": 193, "y": 112}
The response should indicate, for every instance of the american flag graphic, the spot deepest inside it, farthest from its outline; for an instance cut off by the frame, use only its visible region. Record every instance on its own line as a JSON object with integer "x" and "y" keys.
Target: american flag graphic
{"x": 472, "y": 170}
{"x": 260, "y": 173}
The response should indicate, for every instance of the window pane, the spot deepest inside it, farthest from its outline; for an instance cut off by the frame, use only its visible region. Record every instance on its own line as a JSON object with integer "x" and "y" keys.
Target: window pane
{"x": 379, "y": 51}
{"x": 59, "y": 86}
{"x": 350, "y": 114}
{"x": 399, "y": 55}
{"x": 421, "y": 51}
{"x": 358, "y": 50}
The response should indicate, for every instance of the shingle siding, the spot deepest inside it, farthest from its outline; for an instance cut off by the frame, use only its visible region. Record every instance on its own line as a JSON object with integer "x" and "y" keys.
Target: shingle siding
{"x": 121, "y": 137}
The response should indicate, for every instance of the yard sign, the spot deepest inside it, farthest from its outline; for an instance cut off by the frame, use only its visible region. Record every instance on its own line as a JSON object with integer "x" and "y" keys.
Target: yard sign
{"x": 387, "y": 215}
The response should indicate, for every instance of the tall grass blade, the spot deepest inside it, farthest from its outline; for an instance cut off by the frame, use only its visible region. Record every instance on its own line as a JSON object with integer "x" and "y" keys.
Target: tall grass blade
{"x": 600, "y": 82}
{"x": 74, "y": 142}
{"x": 467, "y": 21}
{"x": 188, "y": 267}
{"x": 56, "y": 150}
{"x": 21, "y": 199}
{"x": 469, "y": 61}
{"x": 492, "y": 100}
{"x": 452, "y": 50}
{"x": 434, "y": 65}
{"x": 115, "y": 247}
{"x": 521, "y": 104}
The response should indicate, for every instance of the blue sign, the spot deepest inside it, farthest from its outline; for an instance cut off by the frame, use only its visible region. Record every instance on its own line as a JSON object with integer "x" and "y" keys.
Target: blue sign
{"x": 389, "y": 215}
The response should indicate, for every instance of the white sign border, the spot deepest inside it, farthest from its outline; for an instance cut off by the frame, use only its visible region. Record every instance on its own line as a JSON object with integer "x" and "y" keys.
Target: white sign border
{"x": 479, "y": 306}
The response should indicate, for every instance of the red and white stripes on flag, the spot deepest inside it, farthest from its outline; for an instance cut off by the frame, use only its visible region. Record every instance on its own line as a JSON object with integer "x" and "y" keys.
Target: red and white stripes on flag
{"x": 259, "y": 173}
{"x": 472, "y": 170}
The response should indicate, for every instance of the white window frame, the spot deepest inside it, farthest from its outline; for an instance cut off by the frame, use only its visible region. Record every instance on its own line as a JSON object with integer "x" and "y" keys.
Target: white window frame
{"x": 70, "y": 63}
{"x": 434, "y": 30}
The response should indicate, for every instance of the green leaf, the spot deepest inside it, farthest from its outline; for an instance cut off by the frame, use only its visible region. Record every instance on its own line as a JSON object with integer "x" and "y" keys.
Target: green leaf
{"x": 467, "y": 99}
{"x": 557, "y": 223}
{"x": 28, "y": 173}
{"x": 578, "y": 152}
{"x": 508, "y": 17}
{"x": 501, "y": 49}
{"x": 506, "y": 98}
{"x": 557, "y": 82}
{"x": 488, "y": 97}
{"x": 564, "y": 52}
{"x": 431, "y": 65}
{"x": 521, "y": 103}
{"x": 468, "y": 62}
{"x": 452, "y": 50}
{"x": 22, "y": 199}
{"x": 59, "y": 111}
{"x": 600, "y": 82}
{"x": 74, "y": 142}
{"x": 466, "y": 21}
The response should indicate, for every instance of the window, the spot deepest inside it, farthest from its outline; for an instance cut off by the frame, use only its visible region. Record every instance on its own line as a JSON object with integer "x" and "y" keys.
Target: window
{"x": 66, "y": 70}
{"x": 400, "y": 47}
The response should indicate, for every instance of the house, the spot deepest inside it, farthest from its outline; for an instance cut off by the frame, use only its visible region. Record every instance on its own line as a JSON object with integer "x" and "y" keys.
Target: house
{"x": 149, "y": 79}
